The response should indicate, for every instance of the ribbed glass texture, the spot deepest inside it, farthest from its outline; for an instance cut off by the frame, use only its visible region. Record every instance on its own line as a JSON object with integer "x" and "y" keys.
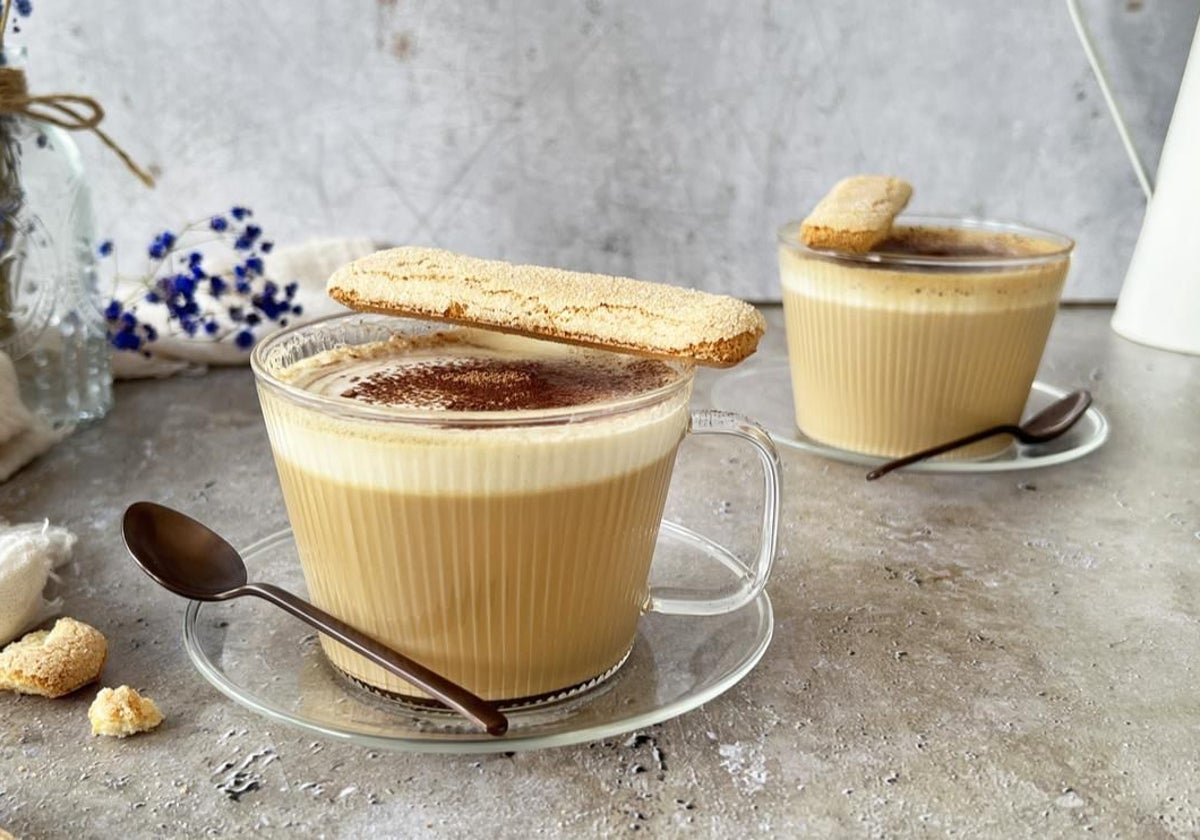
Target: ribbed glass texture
{"x": 890, "y": 359}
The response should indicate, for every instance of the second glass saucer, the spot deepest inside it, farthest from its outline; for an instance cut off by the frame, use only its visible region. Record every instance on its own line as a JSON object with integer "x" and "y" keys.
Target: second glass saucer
{"x": 268, "y": 662}
{"x": 764, "y": 392}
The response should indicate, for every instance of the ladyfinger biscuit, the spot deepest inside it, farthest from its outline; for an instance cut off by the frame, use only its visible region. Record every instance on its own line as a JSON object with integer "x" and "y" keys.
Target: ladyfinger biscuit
{"x": 596, "y": 310}
{"x": 856, "y": 215}
{"x": 54, "y": 662}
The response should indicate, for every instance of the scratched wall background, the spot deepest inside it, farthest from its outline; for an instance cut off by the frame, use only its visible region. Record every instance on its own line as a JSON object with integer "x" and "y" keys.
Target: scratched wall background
{"x": 665, "y": 140}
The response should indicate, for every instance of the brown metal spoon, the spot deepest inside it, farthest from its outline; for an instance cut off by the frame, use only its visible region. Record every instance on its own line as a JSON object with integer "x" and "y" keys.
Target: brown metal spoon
{"x": 191, "y": 560}
{"x": 1047, "y": 424}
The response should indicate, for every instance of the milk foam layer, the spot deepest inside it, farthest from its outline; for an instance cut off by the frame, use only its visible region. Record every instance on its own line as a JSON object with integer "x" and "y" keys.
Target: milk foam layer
{"x": 366, "y": 448}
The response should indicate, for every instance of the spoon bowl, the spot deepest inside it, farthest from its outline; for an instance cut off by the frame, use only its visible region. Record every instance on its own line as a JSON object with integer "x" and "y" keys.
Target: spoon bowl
{"x": 181, "y": 554}
{"x": 1051, "y": 422}
{"x": 190, "y": 559}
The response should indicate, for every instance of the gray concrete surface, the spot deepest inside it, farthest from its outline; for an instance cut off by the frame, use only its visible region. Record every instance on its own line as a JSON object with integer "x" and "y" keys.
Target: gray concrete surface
{"x": 662, "y": 140}
{"x": 1010, "y": 655}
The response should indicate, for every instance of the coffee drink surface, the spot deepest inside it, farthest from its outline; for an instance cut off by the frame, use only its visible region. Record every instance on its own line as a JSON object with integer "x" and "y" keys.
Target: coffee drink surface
{"x": 472, "y": 371}
{"x": 936, "y": 334}
{"x": 486, "y": 504}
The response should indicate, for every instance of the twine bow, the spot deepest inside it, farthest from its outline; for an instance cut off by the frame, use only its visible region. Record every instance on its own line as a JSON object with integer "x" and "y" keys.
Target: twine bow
{"x": 65, "y": 110}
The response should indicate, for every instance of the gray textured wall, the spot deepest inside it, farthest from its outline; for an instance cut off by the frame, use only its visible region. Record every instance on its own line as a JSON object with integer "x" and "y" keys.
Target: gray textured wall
{"x": 660, "y": 139}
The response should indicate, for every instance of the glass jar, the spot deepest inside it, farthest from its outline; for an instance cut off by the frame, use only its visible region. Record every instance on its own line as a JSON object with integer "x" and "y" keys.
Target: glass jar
{"x": 51, "y": 322}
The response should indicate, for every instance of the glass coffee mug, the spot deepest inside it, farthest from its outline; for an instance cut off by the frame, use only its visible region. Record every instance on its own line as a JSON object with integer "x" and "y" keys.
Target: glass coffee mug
{"x": 936, "y": 334}
{"x": 509, "y": 550}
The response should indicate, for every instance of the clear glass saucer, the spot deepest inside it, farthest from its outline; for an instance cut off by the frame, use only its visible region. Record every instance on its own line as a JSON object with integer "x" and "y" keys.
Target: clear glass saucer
{"x": 764, "y": 392}
{"x": 272, "y": 664}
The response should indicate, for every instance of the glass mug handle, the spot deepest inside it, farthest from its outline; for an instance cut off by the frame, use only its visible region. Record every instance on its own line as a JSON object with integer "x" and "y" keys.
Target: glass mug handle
{"x": 663, "y": 599}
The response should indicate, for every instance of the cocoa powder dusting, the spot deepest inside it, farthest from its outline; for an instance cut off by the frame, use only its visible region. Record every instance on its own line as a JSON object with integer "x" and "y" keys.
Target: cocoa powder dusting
{"x": 506, "y": 385}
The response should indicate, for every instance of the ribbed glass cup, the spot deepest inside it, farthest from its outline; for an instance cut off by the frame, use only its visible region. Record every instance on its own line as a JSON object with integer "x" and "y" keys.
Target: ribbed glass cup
{"x": 891, "y": 353}
{"x": 508, "y": 550}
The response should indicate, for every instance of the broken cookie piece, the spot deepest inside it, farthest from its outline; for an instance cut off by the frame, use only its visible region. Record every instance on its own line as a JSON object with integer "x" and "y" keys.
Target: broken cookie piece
{"x": 121, "y": 712}
{"x": 54, "y": 662}
{"x": 857, "y": 214}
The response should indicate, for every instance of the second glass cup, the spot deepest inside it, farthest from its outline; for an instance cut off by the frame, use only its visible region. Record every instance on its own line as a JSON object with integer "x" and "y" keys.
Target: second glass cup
{"x": 936, "y": 335}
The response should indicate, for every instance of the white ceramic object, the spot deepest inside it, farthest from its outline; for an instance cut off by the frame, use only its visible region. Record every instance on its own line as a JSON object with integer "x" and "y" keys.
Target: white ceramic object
{"x": 1159, "y": 303}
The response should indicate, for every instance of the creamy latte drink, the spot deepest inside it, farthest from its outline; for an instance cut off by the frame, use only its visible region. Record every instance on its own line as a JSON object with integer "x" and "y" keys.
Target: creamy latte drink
{"x": 936, "y": 333}
{"x": 486, "y": 504}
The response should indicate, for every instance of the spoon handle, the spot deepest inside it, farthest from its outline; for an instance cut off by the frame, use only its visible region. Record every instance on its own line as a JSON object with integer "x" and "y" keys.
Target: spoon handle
{"x": 884, "y": 469}
{"x": 470, "y": 705}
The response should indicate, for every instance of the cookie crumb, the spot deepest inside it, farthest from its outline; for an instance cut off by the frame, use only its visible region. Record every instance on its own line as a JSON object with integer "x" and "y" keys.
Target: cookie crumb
{"x": 120, "y": 712}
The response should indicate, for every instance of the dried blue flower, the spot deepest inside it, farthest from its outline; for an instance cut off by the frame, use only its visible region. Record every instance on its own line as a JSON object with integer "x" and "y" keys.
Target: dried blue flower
{"x": 227, "y": 305}
{"x": 125, "y": 340}
{"x": 185, "y": 286}
{"x": 161, "y": 244}
{"x": 271, "y": 307}
{"x": 24, "y": 7}
{"x": 105, "y": 248}
{"x": 250, "y": 235}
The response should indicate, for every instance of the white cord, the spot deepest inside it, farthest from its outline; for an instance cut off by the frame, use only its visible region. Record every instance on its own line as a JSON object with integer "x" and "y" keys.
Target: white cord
{"x": 1093, "y": 59}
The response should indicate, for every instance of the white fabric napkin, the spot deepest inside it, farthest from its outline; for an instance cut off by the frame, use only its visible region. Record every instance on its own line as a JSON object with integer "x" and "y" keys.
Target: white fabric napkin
{"x": 29, "y": 553}
{"x": 308, "y": 264}
{"x": 23, "y": 435}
